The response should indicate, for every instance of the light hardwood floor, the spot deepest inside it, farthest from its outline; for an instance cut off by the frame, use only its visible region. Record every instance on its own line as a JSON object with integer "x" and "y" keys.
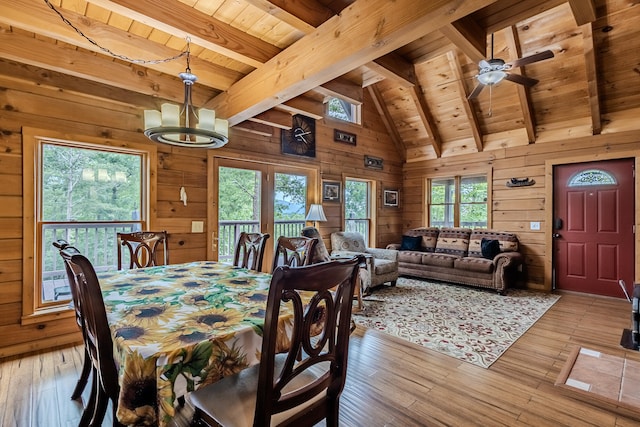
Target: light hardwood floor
{"x": 393, "y": 383}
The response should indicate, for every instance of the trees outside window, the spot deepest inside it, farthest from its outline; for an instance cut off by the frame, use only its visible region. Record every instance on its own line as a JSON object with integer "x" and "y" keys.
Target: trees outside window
{"x": 458, "y": 202}
{"x": 357, "y": 207}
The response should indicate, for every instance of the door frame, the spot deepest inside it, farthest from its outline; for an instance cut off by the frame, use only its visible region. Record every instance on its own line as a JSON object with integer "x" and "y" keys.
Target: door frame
{"x": 549, "y": 186}
{"x": 213, "y": 162}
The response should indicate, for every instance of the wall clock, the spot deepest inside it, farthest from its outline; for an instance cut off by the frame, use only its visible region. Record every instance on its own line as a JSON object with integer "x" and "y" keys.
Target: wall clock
{"x": 301, "y": 139}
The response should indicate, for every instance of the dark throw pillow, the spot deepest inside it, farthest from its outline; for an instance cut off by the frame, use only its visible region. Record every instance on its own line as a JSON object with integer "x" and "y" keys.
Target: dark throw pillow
{"x": 490, "y": 248}
{"x": 411, "y": 243}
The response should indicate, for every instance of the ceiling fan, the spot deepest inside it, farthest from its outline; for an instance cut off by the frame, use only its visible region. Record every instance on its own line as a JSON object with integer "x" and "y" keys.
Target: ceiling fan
{"x": 494, "y": 70}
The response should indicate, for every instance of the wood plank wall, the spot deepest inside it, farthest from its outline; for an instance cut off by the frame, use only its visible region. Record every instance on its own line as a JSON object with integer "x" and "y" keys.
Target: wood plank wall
{"x": 33, "y": 104}
{"x": 514, "y": 208}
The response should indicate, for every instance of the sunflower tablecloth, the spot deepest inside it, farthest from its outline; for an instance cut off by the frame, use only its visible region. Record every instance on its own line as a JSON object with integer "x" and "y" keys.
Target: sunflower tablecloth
{"x": 179, "y": 327}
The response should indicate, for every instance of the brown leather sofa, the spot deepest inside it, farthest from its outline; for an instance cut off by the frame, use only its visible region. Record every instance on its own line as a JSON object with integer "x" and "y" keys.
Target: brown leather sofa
{"x": 459, "y": 255}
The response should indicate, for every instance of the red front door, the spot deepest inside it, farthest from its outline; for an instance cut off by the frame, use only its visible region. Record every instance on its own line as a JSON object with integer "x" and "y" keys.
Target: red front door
{"x": 593, "y": 227}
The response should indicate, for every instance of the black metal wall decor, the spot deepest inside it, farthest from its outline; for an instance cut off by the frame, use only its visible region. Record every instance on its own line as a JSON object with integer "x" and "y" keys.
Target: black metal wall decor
{"x": 524, "y": 182}
{"x": 373, "y": 162}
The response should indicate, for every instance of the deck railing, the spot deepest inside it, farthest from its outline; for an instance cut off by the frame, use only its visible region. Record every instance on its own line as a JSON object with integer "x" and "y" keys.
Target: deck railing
{"x": 97, "y": 241}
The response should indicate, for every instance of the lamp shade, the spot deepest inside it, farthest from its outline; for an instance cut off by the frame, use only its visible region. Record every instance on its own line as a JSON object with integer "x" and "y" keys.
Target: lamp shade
{"x": 315, "y": 213}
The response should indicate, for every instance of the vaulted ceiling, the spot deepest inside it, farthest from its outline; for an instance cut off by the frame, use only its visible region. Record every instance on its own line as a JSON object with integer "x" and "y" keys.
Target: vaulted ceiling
{"x": 259, "y": 61}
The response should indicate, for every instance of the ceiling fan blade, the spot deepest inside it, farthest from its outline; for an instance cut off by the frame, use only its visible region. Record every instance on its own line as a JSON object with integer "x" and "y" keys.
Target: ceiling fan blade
{"x": 521, "y": 80}
{"x": 532, "y": 58}
{"x": 476, "y": 92}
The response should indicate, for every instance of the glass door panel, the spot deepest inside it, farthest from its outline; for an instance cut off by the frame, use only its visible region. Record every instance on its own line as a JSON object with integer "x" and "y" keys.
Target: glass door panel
{"x": 289, "y": 204}
{"x": 239, "y": 207}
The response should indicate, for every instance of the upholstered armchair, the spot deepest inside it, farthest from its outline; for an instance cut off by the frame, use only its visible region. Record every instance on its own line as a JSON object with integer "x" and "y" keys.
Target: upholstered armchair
{"x": 382, "y": 264}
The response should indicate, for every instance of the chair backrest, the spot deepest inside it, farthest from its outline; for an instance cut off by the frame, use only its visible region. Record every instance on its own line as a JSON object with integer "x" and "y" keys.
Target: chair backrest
{"x": 61, "y": 244}
{"x": 320, "y": 253}
{"x": 347, "y": 241}
{"x": 315, "y": 363}
{"x": 293, "y": 251}
{"x": 91, "y": 305}
{"x": 250, "y": 250}
{"x": 142, "y": 248}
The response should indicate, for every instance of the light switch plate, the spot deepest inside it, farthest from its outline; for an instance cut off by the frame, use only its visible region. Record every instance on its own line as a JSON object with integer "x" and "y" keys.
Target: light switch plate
{"x": 534, "y": 225}
{"x": 197, "y": 226}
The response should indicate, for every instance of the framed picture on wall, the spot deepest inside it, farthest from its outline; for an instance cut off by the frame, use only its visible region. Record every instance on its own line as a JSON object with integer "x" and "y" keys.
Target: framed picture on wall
{"x": 390, "y": 198}
{"x": 331, "y": 191}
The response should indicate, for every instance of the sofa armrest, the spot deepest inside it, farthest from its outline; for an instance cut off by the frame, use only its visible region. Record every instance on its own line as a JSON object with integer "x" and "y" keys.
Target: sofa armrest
{"x": 508, "y": 259}
{"x": 506, "y": 265}
{"x": 394, "y": 246}
{"x": 368, "y": 258}
{"x": 390, "y": 254}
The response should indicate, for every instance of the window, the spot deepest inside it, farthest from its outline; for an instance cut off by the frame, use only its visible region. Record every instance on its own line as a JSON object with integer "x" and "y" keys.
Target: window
{"x": 592, "y": 177}
{"x": 83, "y": 193}
{"x": 343, "y": 110}
{"x": 458, "y": 202}
{"x": 357, "y": 195}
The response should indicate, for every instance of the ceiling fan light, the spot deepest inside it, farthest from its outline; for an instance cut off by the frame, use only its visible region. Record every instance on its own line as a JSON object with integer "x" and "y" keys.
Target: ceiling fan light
{"x": 491, "y": 77}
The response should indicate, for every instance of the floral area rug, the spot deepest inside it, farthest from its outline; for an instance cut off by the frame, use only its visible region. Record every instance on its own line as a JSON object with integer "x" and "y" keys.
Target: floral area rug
{"x": 473, "y": 325}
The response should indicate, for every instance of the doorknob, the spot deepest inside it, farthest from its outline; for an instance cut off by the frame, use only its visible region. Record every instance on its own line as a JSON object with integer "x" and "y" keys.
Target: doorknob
{"x": 556, "y": 235}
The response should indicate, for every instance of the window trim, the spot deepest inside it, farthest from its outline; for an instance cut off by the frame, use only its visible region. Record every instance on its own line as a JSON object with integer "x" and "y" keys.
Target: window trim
{"x": 458, "y": 178}
{"x": 31, "y": 162}
{"x": 356, "y": 113}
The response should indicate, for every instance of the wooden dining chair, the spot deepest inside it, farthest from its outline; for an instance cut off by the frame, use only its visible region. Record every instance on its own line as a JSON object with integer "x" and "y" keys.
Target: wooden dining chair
{"x": 249, "y": 250}
{"x": 301, "y": 386}
{"x": 293, "y": 251}
{"x": 142, "y": 248}
{"x": 86, "y": 363}
{"x": 98, "y": 342}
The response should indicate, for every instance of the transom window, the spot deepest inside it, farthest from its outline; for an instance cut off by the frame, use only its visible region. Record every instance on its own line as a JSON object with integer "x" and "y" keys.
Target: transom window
{"x": 343, "y": 110}
{"x": 592, "y": 177}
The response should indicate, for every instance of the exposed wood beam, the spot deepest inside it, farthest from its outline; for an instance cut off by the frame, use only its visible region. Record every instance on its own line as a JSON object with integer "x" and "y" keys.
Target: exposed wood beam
{"x": 343, "y": 89}
{"x": 427, "y": 119}
{"x": 303, "y": 15}
{"x": 394, "y": 67}
{"x": 468, "y": 36}
{"x": 275, "y": 118}
{"x": 38, "y": 18}
{"x": 86, "y": 65}
{"x": 181, "y": 20}
{"x": 305, "y": 106}
{"x": 513, "y": 44}
{"x": 45, "y": 77}
{"x": 254, "y": 128}
{"x": 592, "y": 77}
{"x": 387, "y": 120}
{"x": 364, "y": 31}
{"x": 584, "y": 11}
{"x": 458, "y": 77}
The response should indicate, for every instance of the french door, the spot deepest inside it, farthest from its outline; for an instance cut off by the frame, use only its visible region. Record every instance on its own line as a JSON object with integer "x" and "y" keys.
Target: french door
{"x": 256, "y": 197}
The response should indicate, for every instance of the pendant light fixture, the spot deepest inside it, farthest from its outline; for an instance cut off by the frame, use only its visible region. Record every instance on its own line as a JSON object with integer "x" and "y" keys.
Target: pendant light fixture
{"x": 182, "y": 125}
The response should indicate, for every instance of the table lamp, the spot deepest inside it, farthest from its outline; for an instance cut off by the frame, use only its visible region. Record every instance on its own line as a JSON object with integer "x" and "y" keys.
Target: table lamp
{"x": 315, "y": 214}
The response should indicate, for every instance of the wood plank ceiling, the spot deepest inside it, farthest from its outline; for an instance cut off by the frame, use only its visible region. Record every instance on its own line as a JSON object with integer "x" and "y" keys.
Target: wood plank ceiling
{"x": 259, "y": 61}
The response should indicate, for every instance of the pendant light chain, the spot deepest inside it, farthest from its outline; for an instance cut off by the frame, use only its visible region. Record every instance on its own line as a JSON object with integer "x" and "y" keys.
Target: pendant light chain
{"x": 116, "y": 55}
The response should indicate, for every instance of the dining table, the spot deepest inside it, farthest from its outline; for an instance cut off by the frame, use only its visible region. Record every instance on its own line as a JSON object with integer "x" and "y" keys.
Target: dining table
{"x": 178, "y": 327}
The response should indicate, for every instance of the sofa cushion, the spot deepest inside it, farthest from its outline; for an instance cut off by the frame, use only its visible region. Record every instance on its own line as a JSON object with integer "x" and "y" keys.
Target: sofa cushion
{"x": 480, "y": 265}
{"x": 439, "y": 260}
{"x": 453, "y": 241}
{"x": 489, "y": 248}
{"x": 413, "y": 257}
{"x": 508, "y": 241}
{"x": 410, "y": 243}
{"x": 429, "y": 237}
